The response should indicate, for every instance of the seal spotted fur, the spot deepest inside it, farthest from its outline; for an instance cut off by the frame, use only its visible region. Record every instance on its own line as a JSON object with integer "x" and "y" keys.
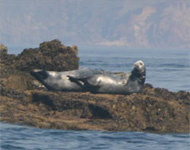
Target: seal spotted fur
{"x": 95, "y": 81}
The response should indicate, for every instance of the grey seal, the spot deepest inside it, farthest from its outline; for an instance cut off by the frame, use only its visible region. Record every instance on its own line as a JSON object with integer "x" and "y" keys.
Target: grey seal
{"x": 60, "y": 81}
{"x": 95, "y": 81}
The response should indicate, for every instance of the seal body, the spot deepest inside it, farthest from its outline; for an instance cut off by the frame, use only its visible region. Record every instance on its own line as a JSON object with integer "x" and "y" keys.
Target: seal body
{"x": 114, "y": 83}
{"x": 59, "y": 81}
{"x": 95, "y": 81}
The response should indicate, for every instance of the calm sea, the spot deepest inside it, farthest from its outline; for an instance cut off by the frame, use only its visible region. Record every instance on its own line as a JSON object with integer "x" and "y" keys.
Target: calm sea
{"x": 165, "y": 68}
{"x": 15, "y": 137}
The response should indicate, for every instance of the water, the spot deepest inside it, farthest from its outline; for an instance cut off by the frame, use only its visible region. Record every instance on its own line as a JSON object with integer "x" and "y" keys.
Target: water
{"x": 15, "y": 137}
{"x": 165, "y": 68}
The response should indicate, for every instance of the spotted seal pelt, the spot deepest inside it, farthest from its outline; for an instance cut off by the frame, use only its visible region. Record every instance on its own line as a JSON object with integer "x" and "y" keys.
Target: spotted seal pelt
{"x": 95, "y": 81}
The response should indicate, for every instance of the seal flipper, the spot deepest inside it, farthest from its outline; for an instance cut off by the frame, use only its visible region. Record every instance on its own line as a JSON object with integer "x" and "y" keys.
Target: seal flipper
{"x": 78, "y": 81}
{"x": 84, "y": 83}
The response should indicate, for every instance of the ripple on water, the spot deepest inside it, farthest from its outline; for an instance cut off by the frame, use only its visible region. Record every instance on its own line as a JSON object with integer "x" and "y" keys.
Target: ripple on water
{"x": 21, "y": 137}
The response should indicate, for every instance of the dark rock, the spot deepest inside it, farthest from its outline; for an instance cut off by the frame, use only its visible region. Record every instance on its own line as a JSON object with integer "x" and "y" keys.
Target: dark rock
{"x": 50, "y": 56}
{"x": 81, "y": 111}
{"x": 5, "y": 58}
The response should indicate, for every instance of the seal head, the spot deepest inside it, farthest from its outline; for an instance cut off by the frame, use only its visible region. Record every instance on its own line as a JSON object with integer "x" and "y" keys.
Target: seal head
{"x": 139, "y": 72}
{"x": 137, "y": 78}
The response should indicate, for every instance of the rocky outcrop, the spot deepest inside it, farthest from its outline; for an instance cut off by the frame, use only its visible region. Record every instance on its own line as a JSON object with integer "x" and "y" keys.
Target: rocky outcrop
{"x": 146, "y": 111}
{"x": 5, "y": 58}
{"x": 50, "y": 56}
{"x": 23, "y": 100}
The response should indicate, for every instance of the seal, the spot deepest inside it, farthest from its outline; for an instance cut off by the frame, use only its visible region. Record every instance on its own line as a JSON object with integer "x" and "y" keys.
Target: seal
{"x": 95, "y": 81}
{"x": 60, "y": 81}
{"x": 114, "y": 83}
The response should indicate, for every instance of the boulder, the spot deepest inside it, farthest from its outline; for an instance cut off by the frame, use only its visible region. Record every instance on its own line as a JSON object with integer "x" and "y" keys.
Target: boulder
{"x": 50, "y": 55}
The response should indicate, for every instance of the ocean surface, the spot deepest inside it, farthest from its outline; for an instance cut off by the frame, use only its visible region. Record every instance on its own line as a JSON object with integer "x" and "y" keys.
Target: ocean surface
{"x": 164, "y": 68}
{"x": 15, "y": 137}
{"x": 168, "y": 69}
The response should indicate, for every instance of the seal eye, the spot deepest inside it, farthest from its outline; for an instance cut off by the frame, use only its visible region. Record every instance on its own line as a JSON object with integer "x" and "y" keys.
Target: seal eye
{"x": 140, "y": 63}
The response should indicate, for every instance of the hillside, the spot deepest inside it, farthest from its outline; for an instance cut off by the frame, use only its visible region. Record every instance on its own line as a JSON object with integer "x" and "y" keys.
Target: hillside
{"x": 156, "y": 24}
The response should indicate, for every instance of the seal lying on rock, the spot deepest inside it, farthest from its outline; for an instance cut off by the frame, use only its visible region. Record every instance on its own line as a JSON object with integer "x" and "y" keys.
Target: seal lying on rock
{"x": 95, "y": 81}
{"x": 59, "y": 81}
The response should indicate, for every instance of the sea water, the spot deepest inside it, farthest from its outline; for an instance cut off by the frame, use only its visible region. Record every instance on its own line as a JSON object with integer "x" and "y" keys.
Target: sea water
{"x": 165, "y": 68}
{"x": 168, "y": 69}
{"x": 16, "y": 137}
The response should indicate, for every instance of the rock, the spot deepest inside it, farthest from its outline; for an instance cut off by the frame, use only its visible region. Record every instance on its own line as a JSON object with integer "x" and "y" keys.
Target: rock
{"x": 87, "y": 111}
{"x": 50, "y": 56}
{"x": 5, "y": 58}
{"x": 14, "y": 70}
{"x": 3, "y": 49}
{"x": 23, "y": 100}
